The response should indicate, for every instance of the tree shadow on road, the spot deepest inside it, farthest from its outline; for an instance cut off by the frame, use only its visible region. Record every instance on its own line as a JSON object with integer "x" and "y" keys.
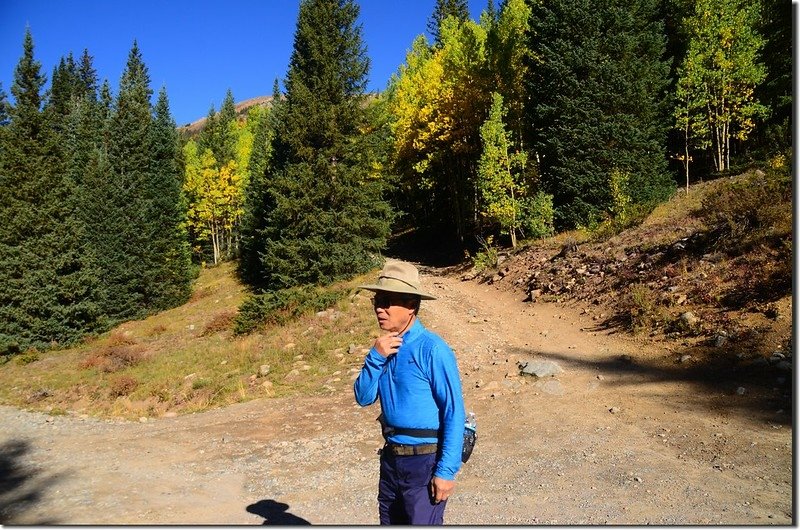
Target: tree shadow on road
{"x": 20, "y": 486}
{"x": 275, "y": 513}
{"x": 757, "y": 392}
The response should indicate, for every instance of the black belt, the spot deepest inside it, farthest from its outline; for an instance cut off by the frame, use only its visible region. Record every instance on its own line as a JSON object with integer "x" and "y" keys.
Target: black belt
{"x": 410, "y": 450}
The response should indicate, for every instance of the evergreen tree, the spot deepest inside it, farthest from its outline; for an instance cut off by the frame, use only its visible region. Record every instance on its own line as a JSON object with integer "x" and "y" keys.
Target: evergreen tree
{"x": 328, "y": 219}
{"x": 122, "y": 233}
{"x": 209, "y": 134}
{"x": 63, "y": 85}
{"x": 597, "y": 87}
{"x": 257, "y": 198}
{"x": 85, "y": 121}
{"x": 4, "y": 107}
{"x": 45, "y": 284}
{"x": 225, "y": 150}
{"x": 776, "y": 90}
{"x": 443, "y": 9}
{"x": 168, "y": 275}
{"x": 106, "y": 101}
{"x": 87, "y": 76}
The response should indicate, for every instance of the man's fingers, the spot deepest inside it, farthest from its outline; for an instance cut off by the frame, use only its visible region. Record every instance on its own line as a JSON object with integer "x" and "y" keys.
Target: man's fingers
{"x": 441, "y": 489}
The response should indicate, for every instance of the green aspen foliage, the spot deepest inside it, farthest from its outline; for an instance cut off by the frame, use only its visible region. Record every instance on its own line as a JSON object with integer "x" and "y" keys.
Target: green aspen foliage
{"x": 718, "y": 76}
{"x": 500, "y": 173}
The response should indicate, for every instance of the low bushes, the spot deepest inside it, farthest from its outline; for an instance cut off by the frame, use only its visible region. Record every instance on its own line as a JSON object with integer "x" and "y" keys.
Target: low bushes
{"x": 280, "y": 307}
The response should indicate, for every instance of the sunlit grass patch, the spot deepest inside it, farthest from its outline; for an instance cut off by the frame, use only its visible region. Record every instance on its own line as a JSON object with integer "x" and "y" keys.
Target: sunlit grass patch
{"x": 187, "y": 359}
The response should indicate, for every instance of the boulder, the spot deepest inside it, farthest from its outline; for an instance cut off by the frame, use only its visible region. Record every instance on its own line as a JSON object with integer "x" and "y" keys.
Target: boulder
{"x": 540, "y": 368}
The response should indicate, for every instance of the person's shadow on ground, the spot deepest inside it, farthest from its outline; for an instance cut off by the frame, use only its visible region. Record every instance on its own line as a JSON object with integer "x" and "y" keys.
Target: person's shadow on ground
{"x": 274, "y": 513}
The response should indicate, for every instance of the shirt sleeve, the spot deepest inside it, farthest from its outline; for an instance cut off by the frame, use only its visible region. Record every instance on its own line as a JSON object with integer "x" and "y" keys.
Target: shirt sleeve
{"x": 366, "y": 385}
{"x": 446, "y": 388}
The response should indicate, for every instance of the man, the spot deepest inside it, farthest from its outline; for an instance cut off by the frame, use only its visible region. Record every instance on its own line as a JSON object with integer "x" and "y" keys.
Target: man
{"x": 415, "y": 375}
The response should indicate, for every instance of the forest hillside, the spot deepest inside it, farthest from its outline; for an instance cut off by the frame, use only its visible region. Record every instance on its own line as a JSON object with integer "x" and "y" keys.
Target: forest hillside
{"x": 677, "y": 279}
{"x": 708, "y": 272}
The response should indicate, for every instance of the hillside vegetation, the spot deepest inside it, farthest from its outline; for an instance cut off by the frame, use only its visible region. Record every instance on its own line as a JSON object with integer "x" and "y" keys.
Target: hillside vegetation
{"x": 710, "y": 270}
{"x": 681, "y": 276}
{"x": 189, "y": 359}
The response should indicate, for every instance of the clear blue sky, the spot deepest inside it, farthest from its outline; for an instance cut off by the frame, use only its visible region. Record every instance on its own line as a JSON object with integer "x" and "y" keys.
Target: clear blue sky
{"x": 197, "y": 49}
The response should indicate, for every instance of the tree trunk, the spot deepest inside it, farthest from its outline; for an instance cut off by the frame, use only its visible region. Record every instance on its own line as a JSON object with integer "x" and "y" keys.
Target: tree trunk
{"x": 686, "y": 155}
{"x": 215, "y": 242}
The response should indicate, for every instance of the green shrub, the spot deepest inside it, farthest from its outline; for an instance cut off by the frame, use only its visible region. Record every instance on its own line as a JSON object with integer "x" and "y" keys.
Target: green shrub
{"x": 27, "y": 358}
{"x": 285, "y": 305}
{"x": 754, "y": 209}
{"x": 621, "y": 199}
{"x": 536, "y": 219}
{"x": 635, "y": 214}
{"x": 642, "y": 310}
{"x": 486, "y": 258}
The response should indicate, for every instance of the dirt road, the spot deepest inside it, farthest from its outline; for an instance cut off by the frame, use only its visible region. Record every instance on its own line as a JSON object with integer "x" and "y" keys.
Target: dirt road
{"x": 624, "y": 435}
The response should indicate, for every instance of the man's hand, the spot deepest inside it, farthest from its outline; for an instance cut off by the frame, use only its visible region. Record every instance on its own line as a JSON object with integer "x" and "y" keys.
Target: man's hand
{"x": 441, "y": 489}
{"x": 388, "y": 344}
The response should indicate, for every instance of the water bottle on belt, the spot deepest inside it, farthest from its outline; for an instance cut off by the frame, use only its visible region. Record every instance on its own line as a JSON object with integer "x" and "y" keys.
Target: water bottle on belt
{"x": 470, "y": 436}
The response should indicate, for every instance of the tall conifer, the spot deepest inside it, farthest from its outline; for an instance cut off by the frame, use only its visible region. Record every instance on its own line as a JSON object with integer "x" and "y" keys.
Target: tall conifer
{"x": 598, "y": 90}
{"x": 4, "y": 107}
{"x": 44, "y": 292}
{"x": 257, "y": 201}
{"x": 443, "y": 9}
{"x": 226, "y": 141}
{"x": 124, "y": 247}
{"x": 328, "y": 218}
{"x": 168, "y": 276}
{"x": 87, "y": 76}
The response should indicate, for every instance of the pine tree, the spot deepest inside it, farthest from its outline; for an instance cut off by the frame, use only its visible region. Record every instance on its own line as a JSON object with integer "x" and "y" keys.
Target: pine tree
{"x": 168, "y": 275}
{"x": 598, "y": 90}
{"x": 328, "y": 219}
{"x": 45, "y": 284}
{"x": 62, "y": 87}
{"x": 4, "y": 107}
{"x": 122, "y": 231}
{"x": 443, "y": 9}
{"x": 87, "y": 76}
{"x": 85, "y": 121}
{"x": 210, "y": 133}
{"x": 257, "y": 197}
{"x": 106, "y": 101}
{"x": 776, "y": 90}
{"x": 225, "y": 151}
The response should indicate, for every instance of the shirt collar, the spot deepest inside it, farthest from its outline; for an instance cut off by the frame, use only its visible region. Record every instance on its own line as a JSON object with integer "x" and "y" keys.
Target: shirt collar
{"x": 414, "y": 331}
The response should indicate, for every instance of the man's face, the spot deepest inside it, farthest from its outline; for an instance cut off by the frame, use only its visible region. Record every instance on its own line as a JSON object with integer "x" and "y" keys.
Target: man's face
{"x": 394, "y": 311}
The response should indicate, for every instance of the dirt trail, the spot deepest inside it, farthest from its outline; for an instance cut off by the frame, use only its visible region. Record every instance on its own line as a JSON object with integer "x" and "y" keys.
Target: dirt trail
{"x": 623, "y": 435}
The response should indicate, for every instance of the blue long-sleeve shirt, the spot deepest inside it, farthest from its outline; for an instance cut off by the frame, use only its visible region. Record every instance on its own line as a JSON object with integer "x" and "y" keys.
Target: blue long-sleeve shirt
{"x": 419, "y": 388}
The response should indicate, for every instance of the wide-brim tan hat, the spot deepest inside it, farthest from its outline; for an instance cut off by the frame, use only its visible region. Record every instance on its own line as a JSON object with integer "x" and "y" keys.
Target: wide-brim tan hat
{"x": 399, "y": 277}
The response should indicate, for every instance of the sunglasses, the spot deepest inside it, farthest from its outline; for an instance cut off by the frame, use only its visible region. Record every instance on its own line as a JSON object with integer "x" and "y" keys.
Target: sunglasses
{"x": 387, "y": 300}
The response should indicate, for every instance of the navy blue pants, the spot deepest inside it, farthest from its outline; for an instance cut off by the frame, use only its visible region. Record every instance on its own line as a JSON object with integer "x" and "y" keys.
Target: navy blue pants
{"x": 404, "y": 494}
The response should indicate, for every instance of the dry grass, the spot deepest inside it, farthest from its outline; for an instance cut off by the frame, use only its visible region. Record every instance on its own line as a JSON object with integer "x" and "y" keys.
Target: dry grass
{"x": 185, "y": 359}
